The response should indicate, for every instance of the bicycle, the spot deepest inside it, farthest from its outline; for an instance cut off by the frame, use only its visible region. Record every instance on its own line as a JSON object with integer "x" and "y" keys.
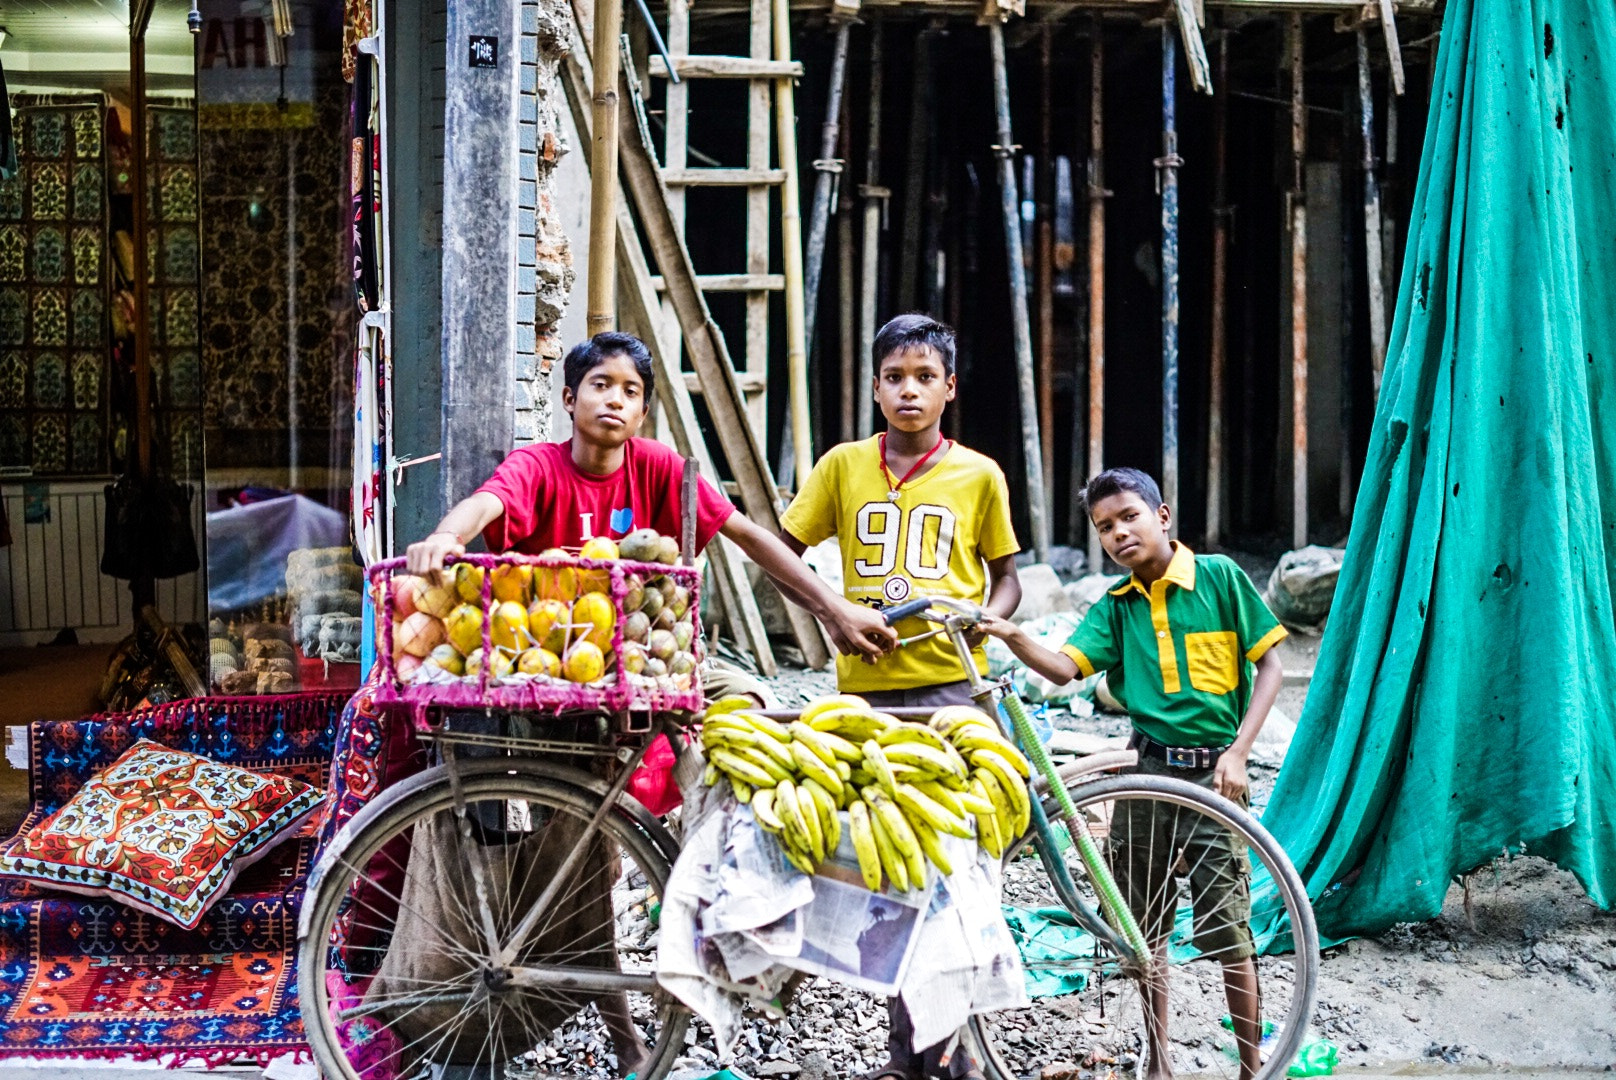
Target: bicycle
{"x": 495, "y": 915}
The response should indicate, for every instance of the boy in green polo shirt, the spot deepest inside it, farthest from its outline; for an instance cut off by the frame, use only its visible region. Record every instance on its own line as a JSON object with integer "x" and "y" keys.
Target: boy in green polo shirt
{"x": 1178, "y": 638}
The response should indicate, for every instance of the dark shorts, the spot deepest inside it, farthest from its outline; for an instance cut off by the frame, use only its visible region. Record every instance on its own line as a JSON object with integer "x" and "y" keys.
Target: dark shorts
{"x": 921, "y": 697}
{"x": 1155, "y": 850}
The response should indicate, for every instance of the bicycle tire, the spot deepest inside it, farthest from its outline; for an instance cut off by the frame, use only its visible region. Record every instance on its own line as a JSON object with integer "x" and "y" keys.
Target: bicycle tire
{"x": 566, "y": 794}
{"x": 999, "y": 1062}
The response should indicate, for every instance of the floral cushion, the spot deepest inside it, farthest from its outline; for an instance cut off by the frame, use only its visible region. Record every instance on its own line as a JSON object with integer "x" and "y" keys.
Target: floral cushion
{"x": 164, "y": 831}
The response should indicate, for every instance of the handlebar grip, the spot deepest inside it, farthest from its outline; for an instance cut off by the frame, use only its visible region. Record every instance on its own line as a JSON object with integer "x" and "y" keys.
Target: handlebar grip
{"x": 903, "y": 611}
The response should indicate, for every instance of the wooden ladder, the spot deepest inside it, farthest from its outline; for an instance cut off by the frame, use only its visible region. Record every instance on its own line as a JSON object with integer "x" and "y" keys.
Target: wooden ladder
{"x": 692, "y": 324}
{"x": 757, "y": 178}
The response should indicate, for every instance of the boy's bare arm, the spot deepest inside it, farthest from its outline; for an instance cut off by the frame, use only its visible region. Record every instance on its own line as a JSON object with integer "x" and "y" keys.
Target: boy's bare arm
{"x": 1057, "y": 667}
{"x": 469, "y": 517}
{"x": 1004, "y": 587}
{"x": 853, "y": 628}
{"x": 1229, "y": 779}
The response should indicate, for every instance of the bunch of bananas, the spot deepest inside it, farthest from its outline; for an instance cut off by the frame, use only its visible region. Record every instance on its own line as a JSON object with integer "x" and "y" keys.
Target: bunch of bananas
{"x": 900, "y": 785}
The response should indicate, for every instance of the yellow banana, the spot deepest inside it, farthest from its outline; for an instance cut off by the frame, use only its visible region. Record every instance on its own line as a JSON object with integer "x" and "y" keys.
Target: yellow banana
{"x": 929, "y": 758}
{"x": 913, "y": 733}
{"x": 855, "y": 725}
{"x": 798, "y": 859}
{"x": 968, "y": 801}
{"x": 916, "y": 804}
{"x": 987, "y": 826}
{"x": 869, "y": 856}
{"x": 743, "y": 790}
{"x": 996, "y": 744}
{"x": 810, "y": 764}
{"x": 844, "y": 770}
{"x": 1004, "y": 772}
{"x": 730, "y": 704}
{"x": 817, "y": 741}
{"x": 891, "y": 861}
{"x": 948, "y": 799}
{"x": 932, "y": 846}
{"x": 763, "y": 810}
{"x": 1017, "y": 763}
{"x": 893, "y": 821}
{"x": 713, "y": 735}
{"x": 790, "y": 813}
{"x": 740, "y": 768}
{"x": 764, "y": 726}
{"x": 709, "y": 775}
{"x": 949, "y": 717}
{"x": 778, "y": 752}
{"x": 830, "y": 825}
{"x": 809, "y": 813}
{"x": 876, "y": 764}
{"x": 831, "y": 704}
{"x": 757, "y": 757}
{"x": 1006, "y": 810}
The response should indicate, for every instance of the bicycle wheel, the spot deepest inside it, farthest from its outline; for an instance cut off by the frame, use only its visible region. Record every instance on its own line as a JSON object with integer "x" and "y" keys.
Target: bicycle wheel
{"x": 1182, "y": 858}
{"x": 398, "y": 979}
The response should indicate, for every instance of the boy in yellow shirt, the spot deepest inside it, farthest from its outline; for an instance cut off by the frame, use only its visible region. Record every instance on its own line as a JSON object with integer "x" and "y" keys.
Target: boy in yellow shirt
{"x": 917, "y": 515}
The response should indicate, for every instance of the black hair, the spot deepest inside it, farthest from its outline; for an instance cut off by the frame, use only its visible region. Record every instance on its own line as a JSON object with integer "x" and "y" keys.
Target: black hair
{"x": 586, "y": 356}
{"x": 914, "y": 331}
{"x": 1115, "y": 482}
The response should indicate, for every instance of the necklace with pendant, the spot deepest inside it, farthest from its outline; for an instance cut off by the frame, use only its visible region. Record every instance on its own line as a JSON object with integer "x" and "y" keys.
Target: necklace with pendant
{"x": 893, "y": 490}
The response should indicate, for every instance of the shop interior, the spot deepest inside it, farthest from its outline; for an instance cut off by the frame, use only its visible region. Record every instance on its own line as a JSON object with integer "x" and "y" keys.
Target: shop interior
{"x": 222, "y": 375}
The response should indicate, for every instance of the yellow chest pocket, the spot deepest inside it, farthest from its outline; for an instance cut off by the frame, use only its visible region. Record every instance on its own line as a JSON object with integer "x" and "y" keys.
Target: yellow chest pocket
{"x": 1214, "y": 661}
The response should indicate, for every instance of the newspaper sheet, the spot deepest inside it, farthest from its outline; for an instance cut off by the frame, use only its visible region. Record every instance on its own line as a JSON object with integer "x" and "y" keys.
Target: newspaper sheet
{"x": 739, "y": 921}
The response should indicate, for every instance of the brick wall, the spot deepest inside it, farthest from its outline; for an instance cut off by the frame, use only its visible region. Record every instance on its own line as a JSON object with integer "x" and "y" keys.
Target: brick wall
{"x": 543, "y": 253}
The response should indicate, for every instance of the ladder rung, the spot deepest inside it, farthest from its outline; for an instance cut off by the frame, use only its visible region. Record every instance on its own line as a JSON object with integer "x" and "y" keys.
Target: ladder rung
{"x": 727, "y": 67}
{"x": 750, "y": 382}
{"x": 722, "y": 177}
{"x": 732, "y": 282}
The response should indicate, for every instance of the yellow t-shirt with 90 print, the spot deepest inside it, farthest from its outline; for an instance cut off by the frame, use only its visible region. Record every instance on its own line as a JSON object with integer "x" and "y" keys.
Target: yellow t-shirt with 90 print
{"x": 932, "y": 540}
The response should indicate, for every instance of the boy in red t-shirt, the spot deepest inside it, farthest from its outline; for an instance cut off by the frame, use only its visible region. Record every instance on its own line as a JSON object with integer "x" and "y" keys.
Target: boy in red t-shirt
{"x": 606, "y": 482}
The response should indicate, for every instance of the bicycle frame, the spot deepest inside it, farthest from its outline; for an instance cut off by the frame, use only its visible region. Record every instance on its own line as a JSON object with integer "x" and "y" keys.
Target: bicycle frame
{"x": 956, "y": 617}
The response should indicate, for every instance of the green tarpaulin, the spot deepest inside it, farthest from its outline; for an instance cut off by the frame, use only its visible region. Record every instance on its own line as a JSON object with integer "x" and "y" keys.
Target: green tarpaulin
{"x": 1465, "y": 696}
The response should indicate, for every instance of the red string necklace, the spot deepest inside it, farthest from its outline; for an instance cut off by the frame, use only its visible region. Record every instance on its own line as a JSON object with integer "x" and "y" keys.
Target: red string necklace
{"x": 894, "y": 489}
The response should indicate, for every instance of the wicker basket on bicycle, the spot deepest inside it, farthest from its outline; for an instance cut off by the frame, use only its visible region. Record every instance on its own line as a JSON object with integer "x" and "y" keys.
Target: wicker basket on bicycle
{"x": 549, "y": 633}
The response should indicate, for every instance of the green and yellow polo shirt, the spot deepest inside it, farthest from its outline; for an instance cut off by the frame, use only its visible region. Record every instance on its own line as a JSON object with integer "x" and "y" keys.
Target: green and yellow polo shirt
{"x": 1179, "y": 652}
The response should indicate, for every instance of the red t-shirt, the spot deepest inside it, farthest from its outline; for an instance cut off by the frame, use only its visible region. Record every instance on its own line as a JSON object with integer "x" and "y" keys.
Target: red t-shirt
{"x": 550, "y": 502}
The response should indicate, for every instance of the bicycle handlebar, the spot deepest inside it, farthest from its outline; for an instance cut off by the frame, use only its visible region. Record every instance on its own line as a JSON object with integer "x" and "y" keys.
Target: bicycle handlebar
{"x": 923, "y": 605}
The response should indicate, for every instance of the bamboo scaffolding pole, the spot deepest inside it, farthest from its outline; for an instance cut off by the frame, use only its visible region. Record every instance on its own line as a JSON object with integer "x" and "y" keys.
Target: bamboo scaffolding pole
{"x": 785, "y": 108}
{"x": 870, "y": 266}
{"x": 608, "y": 28}
{"x": 1215, "y": 453}
{"x": 829, "y": 169}
{"x": 914, "y": 178}
{"x": 1167, "y": 166}
{"x": 1045, "y": 256}
{"x": 846, "y": 294}
{"x": 1031, "y": 443}
{"x": 1298, "y": 226}
{"x": 1097, "y": 197}
{"x": 1373, "y": 257}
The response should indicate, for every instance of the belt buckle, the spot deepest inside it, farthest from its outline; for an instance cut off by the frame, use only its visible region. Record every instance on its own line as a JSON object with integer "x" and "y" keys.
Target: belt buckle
{"x": 1182, "y": 757}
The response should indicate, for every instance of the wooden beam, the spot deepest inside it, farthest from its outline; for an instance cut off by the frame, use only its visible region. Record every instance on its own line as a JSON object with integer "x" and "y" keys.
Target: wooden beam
{"x": 727, "y": 67}
{"x": 722, "y": 177}
{"x": 1189, "y": 29}
{"x": 642, "y": 312}
{"x": 731, "y": 282}
{"x": 751, "y": 382}
{"x": 1394, "y": 49}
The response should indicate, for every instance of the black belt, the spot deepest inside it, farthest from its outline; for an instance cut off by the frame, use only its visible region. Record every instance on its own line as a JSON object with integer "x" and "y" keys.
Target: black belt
{"x": 1179, "y": 757}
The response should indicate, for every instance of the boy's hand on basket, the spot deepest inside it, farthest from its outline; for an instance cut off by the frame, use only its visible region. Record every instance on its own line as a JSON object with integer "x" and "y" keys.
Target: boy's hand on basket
{"x": 1229, "y": 778}
{"x": 860, "y": 631}
{"x": 425, "y": 557}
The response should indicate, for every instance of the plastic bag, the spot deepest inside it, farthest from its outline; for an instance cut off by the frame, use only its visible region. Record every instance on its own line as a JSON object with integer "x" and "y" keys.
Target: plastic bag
{"x": 653, "y": 783}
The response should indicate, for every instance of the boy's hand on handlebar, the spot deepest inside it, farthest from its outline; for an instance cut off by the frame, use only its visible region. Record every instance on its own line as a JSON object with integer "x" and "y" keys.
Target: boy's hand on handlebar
{"x": 860, "y": 631}
{"x": 425, "y": 557}
{"x": 994, "y": 626}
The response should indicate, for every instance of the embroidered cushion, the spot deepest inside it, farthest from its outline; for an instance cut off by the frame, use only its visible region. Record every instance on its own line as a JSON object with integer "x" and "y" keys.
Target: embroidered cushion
{"x": 164, "y": 831}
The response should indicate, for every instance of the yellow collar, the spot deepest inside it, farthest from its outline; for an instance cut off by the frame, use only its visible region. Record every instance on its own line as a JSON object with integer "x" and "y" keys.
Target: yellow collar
{"x": 1180, "y": 571}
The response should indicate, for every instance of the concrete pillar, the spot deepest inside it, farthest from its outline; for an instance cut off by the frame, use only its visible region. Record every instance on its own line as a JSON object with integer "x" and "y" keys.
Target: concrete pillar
{"x": 480, "y": 208}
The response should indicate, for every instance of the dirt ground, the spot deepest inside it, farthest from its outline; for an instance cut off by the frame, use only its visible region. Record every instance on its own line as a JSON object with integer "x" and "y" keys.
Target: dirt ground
{"x": 1526, "y": 979}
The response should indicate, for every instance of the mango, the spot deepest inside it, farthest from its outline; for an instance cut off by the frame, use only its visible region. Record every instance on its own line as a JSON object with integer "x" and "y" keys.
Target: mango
{"x": 417, "y": 635}
{"x": 598, "y": 547}
{"x": 683, "y": 663}
{"x": 445, "y": 658}
{"x": 538, "y": 661}
{"x": 547, "y": 623}
{"x": 468, "y": 581}
{"x": 668, "y": 552}
{"x": 641, "y": 545}
{"x": 501, "y": 667}
{"x": 663, "y": 645}
{"x": 683, "y": 633}
{"x": 595, "y": 609}
{"x": 510, "y": 626}
{"x": 436, "y": 599}
{"x": 585, "y": 663}
{"x": 465, "y": 629}
{"x": 513, "y": 583}
{"x": 405, "y": 589}
{"x": 633, "y": 658}
{"x": 555, "y": 582}
{"x": 633, "y": 592}
{"x": 679, "y": 602}
{"x": 637, "y": 627}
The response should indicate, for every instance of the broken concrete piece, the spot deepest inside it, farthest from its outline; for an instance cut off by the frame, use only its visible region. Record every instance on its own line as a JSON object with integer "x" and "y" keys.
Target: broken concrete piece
{"x": 1302, "y": 587}
{"x": 1041, "y": 593}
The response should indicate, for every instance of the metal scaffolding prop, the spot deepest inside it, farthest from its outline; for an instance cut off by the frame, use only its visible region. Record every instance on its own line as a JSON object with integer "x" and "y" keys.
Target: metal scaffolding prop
{"x": 1298, "y": 228}
{"x": 1097, "y": 196}
{"x": 1167, "y": 177}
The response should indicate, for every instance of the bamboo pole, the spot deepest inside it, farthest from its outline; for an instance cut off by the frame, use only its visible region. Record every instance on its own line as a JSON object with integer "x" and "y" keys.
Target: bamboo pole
{"x": 608, "y": 28}
{"x": 1031, "y": 443}
{"x": 847, "y": 294}
{"x": 914, "y": 174}
{"x": 785, "y": 111}
{"x": 1097, "y": 196}
{"x": 1220, "y": 273}
{"x": 870, "y": 266}
{"x": 829, "y": 167}
{"x": 1298, "y": 224}
{"x": 1371, "y": 195}
{"x": 1045, "y": 243}
{"x": 1168, "y": 164}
